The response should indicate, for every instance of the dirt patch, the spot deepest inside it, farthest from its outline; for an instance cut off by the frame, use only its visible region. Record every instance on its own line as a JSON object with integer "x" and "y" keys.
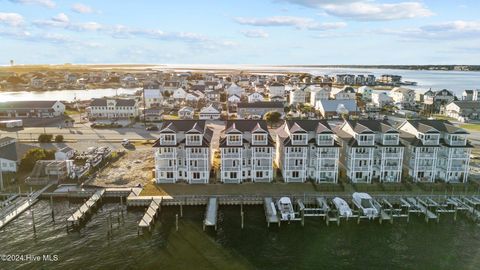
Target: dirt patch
{"x": 134, "y": 168}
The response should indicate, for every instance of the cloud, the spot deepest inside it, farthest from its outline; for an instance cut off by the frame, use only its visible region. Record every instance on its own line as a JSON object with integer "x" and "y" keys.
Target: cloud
{"x": 297, "y": 22}
{"x": 11, "y": 19}
{"x": 255, "y": 33}
{"x": 370, "y": 11}
{"x": 81, "y": 8}
{"x": 61, "y": 18}
{"x": 62, "y": 21}
{"x": 367, "y": 10}
{"x": 45, "y": 3}
{"x": 440, "y": 31}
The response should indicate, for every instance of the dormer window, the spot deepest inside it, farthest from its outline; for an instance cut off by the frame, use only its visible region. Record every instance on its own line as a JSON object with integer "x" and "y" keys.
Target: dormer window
{"x": 299, "y": 139}
{"x": 194, "y": 139}
{"x": 365, "y": 139}
{"x": 324, "y": 139}
{"x": 429, "y": 139}
{"x": 390, "y": 139}
{"x": 167, "y": 139}
{"x": 457, "y": 140}
{"x": 259, "y": 139}
{"x": 234, "y": 139}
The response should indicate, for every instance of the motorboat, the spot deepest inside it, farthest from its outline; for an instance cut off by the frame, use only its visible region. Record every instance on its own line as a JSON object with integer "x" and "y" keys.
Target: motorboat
{"x": 343, "y": 208}
{"x": 285, "y": 208}
{"x": 364, "y": 202}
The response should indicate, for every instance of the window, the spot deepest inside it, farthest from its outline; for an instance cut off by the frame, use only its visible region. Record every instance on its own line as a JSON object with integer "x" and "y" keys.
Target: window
{"x": 295, "y": 174}
{"x": 196, "y": 175}
{"x": 169, "y": 174}
{"x": 259, "y": 174}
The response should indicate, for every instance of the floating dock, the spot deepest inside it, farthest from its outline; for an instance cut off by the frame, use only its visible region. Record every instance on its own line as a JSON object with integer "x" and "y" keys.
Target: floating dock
{"x": 270, "y": 211}
{"x": 18, "y": 205}
{"x": 150, "y": 214}
{"x": 211, "y": 213}
{"x": 81, "y": 212}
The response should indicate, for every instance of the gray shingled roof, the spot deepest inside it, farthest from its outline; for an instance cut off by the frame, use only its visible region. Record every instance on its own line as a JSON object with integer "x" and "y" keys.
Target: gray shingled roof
{"x": 9, "y": 151}
{"x": 120, "y": 102}
{"x": 260, "y": 104}
{"x": 33, "y": 104}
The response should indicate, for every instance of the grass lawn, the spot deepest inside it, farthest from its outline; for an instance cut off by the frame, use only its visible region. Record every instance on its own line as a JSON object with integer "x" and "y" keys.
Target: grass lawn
{"x": 171, "y": 117}
{"x": 442, "y": 117}
{"x": 473, "y": 127}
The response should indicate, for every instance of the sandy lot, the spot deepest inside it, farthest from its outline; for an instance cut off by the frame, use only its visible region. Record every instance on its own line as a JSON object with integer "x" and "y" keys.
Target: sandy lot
{"x": 130, "y": 170}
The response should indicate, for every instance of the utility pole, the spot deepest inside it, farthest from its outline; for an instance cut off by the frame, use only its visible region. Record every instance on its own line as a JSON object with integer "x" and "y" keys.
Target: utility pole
{"x": 1, "y": 178}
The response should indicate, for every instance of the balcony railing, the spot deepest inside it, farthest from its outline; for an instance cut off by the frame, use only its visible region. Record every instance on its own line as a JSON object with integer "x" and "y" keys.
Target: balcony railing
{"x": 325, "y": 142}
{"x": 295, "y": 155}
{"x": 425, "y": 168}
{"x": 261, "y": 168}
{"x": 167, "y": 142}
{"x": 361, "y": 155}
{"x": 457, "y": 168}
{"x": 392, "y": 155}
{"x": 165, "y": 155}
{"x": 391, "y": 168}
{"x": 326, "y": 155}
{"x": 261, "y": 155}
{"x": 390, "y": 142}
{"x": 197, "y": 156}
{"x": 232, "y": 155}
{"x": 327, "y": 168}
{"x": 361, "y": 168}
{"x": 430, "y": 142}
{"x": 425, "y": 155}
{"x": 457, "y": 143}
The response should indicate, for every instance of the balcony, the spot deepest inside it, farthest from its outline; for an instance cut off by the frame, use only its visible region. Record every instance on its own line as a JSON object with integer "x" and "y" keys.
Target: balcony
{"x": 167, "y": 142}
{"x": 261, "y": 155}
{"x": 390, "y": 142}
{"x": 261, "y": 168}
{"x": 457, "y": 143}
{"x": 235, "y": 156}
{"x": 392, "y": 155}
{"x": 296, "y": 155}
{"x": 165, "y": 155}
{"x": 296, "y": 167}
{"x": 425, "y": 168}
{"x": 361, "y": 168}
{"x": 325, "y": 142}
{"x": 197, "y": 156}
{"x": 430, "y": 141}
{"x": 391, "y": 168}
{"x": 425, "y": 155}
{"x": 361, "y": 155}
{"x": 457, "y": 168}
{"x": 327, "y": 168}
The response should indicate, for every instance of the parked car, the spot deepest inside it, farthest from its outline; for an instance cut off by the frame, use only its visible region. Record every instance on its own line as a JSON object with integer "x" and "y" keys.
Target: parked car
{"x": 125, "y": 142}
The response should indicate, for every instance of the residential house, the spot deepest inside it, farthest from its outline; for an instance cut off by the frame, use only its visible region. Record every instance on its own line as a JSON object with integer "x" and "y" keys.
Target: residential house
{"x": 318, "y": 93}
{"x": 106, "y": 108}
{"x": 234, "y": 99}
{"x": 255, "y": 97}
{"x": 380, "y": 98}
{"x": 234, "y": 89}
{"x": 186, "y": 112}
{"x": 246, "y": 110}
{"x": 297, "y": 96}
{"x": 343, "y": 93}
{"x": 183, "y": 152}
{"x": 179, "y": 94}
{"x": 276, "y": 90}
{"x": 209, "y": 113}
{"x": 170, "y": 86}
{"x": 152, "y": 98}
{"x": 436, "y": 149}
{"x": 337, "y": 108}
{"x": 307, "y": 149}
{"x": 31, "y": 109}
{"x": 246, "y": 151}
{"x": 403, "y": 96}
{"x": 471, "y": 95}
{"x": 463, "y": 110}
{"x": 366, "y": 92}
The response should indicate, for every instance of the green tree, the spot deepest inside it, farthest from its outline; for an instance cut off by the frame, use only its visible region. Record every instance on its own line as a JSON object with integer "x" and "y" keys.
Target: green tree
{"x": 59, "y": 138}
{"x": 45, "y": 138}
{"x": 272, "y": 117}
{"x": 33, "y": 155}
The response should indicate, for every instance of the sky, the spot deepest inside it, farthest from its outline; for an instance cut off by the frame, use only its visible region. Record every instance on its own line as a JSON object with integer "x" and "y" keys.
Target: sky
{"x": 265, "y": 32}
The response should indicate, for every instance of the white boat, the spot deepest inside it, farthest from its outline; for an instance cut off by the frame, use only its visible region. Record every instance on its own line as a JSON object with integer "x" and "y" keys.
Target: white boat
{"x": 364, "y": 202}
{"x": 342, "y": 206}
{"x": 285, "y": 207}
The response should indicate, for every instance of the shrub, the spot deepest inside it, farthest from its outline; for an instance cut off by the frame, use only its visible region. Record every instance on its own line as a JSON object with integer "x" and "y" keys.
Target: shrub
{"x": 33, "y": 155}
{"x": 45, "y": 138}
{"x": 59, "y": 138}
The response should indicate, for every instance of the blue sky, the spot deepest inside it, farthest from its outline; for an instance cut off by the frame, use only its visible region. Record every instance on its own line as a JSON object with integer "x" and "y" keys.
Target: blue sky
{"x": 240, "y": 32}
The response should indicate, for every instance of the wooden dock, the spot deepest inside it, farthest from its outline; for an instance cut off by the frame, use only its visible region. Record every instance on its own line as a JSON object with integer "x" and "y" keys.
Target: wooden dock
{"x": 270, "y": 211}
{"x": 211, "y": 213}
{"x": 149, "y": 216}
{"x": 81, "y": 212}
{"x": 421, "y": 207}
{"x": 18, "y": 205}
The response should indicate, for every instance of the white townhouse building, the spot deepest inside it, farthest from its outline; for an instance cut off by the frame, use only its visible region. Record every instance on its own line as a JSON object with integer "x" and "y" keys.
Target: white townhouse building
{"x": 388, "y": 153}
{"x": 182, "y": 152}
{"x": 106, "y": 108}
{"x": 31, "y": 109}
{"x": 234, "y": 89}
{"x": 343, "y": 93}
{"x": 436, "y": 149}
{"x": 247, "y": 152}
{"x": 380, "y": 98}
{"x": 306, "y": 149}
{"x": 358, "y": 151}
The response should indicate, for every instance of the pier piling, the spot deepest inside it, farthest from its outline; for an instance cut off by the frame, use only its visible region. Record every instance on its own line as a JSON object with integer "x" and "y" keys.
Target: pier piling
{"x": 51, "y": 206}
{"x": 176, "y": 222}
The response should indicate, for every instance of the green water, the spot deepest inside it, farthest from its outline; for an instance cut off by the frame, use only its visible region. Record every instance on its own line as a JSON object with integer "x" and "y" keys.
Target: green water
{"x": 368, "y": 245}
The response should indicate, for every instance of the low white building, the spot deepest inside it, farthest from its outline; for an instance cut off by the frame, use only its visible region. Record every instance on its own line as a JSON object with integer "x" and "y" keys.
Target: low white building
{"x": 276, "y": 90}
{"x": 8, "y": 154}
{"x": 318, "y": 93}
{"x": 297, "y": 96}
{"x": 256, "y": 97}
{"x": 343, "y": 93}
{"x": 31, "y": 109}
{"x": 152, "y": 98}
{"x": 209, "y": 113}
{"x": 103, "y": 108}
{"x": 186, "y": 112}
{"x": 65, "y": 153}
{"x": 403, "y": 96}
